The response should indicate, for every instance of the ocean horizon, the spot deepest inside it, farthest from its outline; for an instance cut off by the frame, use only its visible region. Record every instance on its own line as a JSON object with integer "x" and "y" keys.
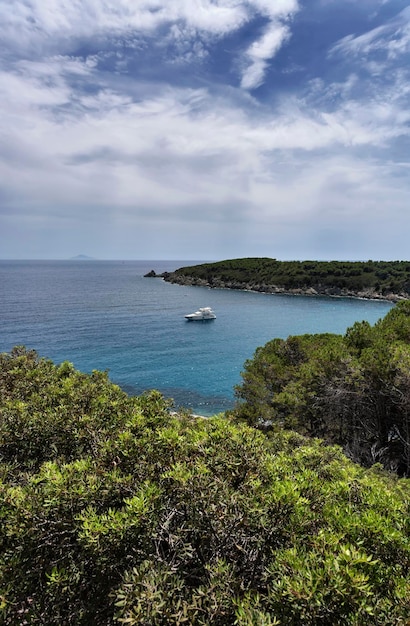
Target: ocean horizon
{"x": 106, "y": 315}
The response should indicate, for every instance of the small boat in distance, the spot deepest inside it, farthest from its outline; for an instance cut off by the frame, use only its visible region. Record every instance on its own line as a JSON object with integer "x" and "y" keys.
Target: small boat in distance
{"x": 203, "y": 314}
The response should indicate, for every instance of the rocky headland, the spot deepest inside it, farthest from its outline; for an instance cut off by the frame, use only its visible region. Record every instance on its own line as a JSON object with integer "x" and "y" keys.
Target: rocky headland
{"x": 316, "y": 289}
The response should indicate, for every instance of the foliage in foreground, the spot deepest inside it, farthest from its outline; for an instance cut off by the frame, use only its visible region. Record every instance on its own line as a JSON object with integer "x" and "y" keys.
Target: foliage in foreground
{"x": 114, "y": 511}
{"x": 353, "y": 390}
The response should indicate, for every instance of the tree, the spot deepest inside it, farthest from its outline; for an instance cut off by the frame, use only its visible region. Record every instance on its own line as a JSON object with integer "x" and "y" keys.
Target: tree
{"x": 143, "y": 517}
{"x": 350, "y": 390}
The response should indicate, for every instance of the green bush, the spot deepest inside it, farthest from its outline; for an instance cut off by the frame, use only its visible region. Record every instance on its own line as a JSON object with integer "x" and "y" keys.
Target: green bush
{"x": 114, "y": 511}
{"x": 352, "y": 390}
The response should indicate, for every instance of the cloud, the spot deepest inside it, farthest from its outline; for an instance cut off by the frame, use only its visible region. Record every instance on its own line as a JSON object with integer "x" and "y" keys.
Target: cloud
{"x": 169, "y": 151}
{"x": 385, "y": 43}
{"x": 44, "y": 23}
{"x": 129, "y": 117}
{"x": 49, "y": 27}
{"x": 260, "y": 52}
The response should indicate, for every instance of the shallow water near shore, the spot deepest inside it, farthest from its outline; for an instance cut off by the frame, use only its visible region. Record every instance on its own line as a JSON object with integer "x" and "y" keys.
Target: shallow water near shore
{"x": 105, "y": 315}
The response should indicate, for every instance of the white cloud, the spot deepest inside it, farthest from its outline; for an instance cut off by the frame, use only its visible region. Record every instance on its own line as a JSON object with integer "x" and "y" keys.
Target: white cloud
{"x": 260, "y": 52}
{"x": 277, "y": 9}
{"x": 170, "y": 151}
{"x": 391, "y": 40}
{"x": 43, "y": 23}
{"x": 79, "y": 139}
{"x": 45, "y": 27}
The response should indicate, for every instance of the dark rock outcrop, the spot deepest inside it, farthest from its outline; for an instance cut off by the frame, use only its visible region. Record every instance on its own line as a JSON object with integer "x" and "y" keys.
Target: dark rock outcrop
{"x": 153, "y": 274}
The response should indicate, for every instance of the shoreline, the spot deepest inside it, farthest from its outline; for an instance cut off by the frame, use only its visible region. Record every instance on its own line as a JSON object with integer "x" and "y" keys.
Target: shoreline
{"x": 333, "y": 292}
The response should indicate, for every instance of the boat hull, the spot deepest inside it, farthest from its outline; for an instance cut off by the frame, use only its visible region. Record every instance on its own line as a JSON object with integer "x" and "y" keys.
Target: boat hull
{"x": 199, "y": 319}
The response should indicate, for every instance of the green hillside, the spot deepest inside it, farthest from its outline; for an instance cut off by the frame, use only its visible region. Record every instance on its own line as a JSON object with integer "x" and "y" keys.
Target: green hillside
{"x": 263, "y": 274}
{"x": 114, "y": 511}
{"x": 353, "y": 390}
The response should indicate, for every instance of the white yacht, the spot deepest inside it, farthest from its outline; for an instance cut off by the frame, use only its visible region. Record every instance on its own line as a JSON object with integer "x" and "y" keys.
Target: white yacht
{"x": 205, "y": 313}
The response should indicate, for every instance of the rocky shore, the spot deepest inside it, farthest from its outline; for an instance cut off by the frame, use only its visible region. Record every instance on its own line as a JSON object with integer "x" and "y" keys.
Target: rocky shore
{"x": 314, "y": 290}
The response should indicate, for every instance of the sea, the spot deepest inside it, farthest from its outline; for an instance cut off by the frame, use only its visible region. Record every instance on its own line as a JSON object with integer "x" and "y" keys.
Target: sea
{"x": 106, "y": 315}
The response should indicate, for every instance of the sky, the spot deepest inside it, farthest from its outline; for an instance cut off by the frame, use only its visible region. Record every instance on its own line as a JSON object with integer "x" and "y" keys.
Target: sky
{"x": 205, "y": 129}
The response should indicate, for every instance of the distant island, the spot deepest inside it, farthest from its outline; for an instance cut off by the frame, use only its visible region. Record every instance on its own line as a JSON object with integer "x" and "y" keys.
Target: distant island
{"x": 82, "y": 257}
{"x": 382, "y": 280}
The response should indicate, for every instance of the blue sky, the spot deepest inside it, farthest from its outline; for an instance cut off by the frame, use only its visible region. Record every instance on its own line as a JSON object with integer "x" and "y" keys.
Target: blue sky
{"x": 205, "y": 129}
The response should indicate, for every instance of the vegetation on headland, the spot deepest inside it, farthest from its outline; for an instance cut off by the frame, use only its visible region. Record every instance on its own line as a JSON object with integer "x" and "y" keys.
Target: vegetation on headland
{"x": 371, "y": 279}
{"x": 114, "y": 511}
{"x": 352, "y": 390}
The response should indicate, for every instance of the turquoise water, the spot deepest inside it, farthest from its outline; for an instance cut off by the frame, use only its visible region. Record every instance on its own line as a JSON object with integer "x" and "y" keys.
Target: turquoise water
{"x": 105, "y": 315}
